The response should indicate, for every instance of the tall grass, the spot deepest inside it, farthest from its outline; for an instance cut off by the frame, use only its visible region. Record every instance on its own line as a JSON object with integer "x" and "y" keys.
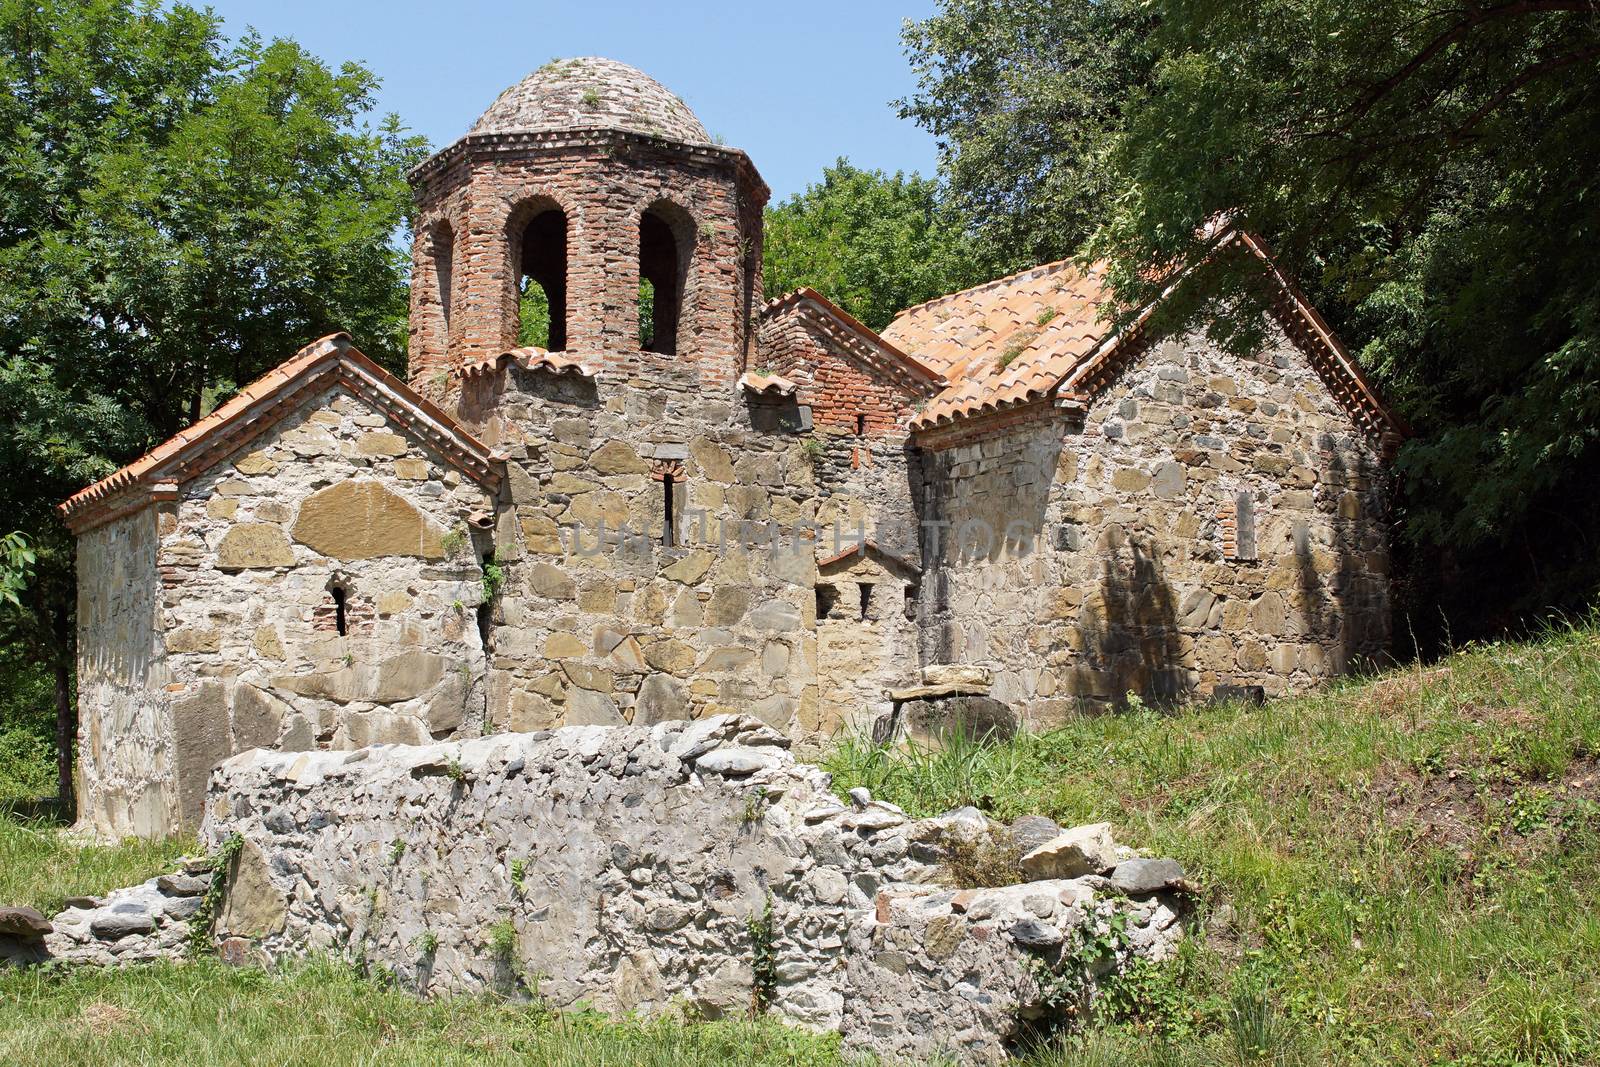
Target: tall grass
{"x": 42, "y": 864}
{"x": 1357, "y": 930}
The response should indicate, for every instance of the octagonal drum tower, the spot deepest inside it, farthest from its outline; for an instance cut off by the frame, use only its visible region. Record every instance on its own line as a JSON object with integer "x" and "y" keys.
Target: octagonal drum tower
{"x": 586, "y": 176}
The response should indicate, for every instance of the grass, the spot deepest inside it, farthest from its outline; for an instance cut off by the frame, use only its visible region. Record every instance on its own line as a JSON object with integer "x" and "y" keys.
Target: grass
{"x": 1399, "y": 870}
{"x": 1403, "y": 869}
{"x": 326, "y": 1013}
{"x": 42, "y": 865}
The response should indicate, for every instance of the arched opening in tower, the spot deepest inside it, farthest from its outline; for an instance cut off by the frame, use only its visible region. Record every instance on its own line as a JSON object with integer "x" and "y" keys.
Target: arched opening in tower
{"x": 663, "y": 269}
{"x": 542, "y": 282}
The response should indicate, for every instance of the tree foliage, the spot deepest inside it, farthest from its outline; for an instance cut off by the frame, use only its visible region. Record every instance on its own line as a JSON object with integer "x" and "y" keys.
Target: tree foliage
{"x": 177, "y": 215}
{"x": 871, "y": 243}
{"x": 1425, "y": 168}
{"x": 1026, "y": 99}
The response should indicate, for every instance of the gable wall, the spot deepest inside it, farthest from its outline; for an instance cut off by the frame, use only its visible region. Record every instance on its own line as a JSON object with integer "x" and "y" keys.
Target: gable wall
{"x": 1114, "y": 575}
{"x": 246, "y": 636}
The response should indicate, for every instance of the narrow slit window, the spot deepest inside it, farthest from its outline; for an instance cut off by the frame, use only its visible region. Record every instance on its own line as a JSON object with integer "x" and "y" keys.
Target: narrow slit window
{"x": 866, "y": 600}
{"x": 1245, "y": 520}
{"x": 340, "y": 623}
{"x": 668, "y": 534}
{"x": 911, "y": 602}
{"x": 444, "y": 269}
{"x": 827, "y": 596}
{"x": 861, "y": 425}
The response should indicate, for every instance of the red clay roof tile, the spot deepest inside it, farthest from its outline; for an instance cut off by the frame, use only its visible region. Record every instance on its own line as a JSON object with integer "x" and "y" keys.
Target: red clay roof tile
{"x": 260, "y": 405}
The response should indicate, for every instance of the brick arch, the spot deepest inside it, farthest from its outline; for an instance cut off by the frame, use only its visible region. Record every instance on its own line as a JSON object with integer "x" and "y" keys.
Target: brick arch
{"x": 668, "y": 247}
{"x": 537, "y": 237}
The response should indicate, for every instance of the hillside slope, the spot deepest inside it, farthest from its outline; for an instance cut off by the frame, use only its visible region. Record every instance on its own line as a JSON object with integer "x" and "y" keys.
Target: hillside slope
{"x": 1402, "y": 869}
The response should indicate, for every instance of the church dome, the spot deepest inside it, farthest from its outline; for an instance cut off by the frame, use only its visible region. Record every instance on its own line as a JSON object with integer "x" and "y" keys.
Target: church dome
{"x": 567, "y": 94}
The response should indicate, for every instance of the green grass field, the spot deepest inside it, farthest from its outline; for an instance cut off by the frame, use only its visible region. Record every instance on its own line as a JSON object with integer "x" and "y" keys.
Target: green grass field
{"x": 1399, "y": 870}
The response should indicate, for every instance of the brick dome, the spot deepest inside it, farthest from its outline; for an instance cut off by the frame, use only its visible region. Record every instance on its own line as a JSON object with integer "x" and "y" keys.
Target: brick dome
{"x": 588, "y": 92}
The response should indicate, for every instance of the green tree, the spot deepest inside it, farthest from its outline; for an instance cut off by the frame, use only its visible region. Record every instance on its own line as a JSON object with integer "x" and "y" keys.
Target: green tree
{"x": 871, "y": 243}
{"x": 1026, "y": 99}
{"x": 177, "y": 215}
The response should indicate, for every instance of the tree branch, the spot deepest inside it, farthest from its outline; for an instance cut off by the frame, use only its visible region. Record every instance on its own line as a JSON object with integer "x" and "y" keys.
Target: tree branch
{"x": 1376, "y": 92}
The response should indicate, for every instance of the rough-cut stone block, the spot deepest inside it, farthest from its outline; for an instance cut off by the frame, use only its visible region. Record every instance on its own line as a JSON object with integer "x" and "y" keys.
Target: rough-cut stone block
{"x": 253, "y": 906}
{"x": 977, "y": 677}
{"x": 1079, "y": 851}
{"x": 257, "y": 717}
{"x": 254, "y": 544}
{"x": 200, "y": 742}
{"x": 362, "y": 519}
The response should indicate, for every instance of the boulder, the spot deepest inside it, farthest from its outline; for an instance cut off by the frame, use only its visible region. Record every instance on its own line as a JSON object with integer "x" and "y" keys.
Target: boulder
{"x": 1139, "y": 876}
{"x": 24, "y": 924}
{"x": 973, "y": 716}
{"x": 1029, "y": 832}
{"x": 1079, "y": 851}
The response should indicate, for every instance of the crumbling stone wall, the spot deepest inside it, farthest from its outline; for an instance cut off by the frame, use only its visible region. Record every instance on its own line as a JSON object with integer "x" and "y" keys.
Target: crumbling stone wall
{"x": 635, "y": 868}
{"x": 124, "y": 773}
{"x": 1212, "y": 521}
{"x": 334, "y": 502}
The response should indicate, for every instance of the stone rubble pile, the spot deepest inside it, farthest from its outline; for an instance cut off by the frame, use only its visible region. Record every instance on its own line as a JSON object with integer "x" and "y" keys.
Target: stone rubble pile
{"x": 138, "y": 924}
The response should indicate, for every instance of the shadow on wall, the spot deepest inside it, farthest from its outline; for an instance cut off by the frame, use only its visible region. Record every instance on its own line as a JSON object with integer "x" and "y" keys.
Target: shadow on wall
{"x": 1342, "y": 607}
{"x": 1129, "y": 629}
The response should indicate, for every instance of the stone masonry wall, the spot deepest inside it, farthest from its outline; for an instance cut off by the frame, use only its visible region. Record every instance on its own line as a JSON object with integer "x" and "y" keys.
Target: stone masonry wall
{"x": 1129, "y": 565}
{"x": 630, "y": 629}
{"x": 863, "y": 650}
{"x": 125, "y": 776}
{"x": 334, "y": 501}
{"x": 637, "y": 868}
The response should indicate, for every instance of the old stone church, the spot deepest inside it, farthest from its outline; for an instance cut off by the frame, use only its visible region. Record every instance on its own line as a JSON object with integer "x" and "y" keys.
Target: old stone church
{"x": 735, "y": 504}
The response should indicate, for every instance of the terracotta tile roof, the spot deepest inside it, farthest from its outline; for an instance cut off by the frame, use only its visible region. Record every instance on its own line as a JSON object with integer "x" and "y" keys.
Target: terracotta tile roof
{"x": 1004, "y": 342}
{"x": 756, "y": 382}
{"x": 528, "y": 358}
{"x": 259, "y": 406}
{"x": 880, "y": 342}
{"x": 1039, "y": 333}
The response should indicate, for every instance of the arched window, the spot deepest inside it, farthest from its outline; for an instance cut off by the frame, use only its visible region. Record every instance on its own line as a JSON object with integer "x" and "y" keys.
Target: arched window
{"x": 539, "y": 246}
{"x": 666, "y": 239}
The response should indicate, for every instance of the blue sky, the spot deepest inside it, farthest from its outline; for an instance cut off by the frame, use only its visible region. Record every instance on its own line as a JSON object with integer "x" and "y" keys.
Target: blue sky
{"x": 796, "y": 85}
